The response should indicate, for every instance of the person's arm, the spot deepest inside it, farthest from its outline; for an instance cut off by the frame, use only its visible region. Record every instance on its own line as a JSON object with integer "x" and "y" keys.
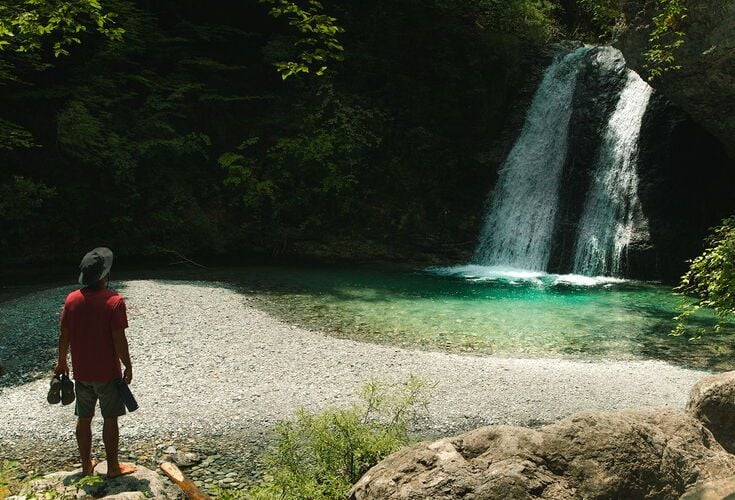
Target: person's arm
{"x": 61, "y": 365}
{"x": 121, "y": 348}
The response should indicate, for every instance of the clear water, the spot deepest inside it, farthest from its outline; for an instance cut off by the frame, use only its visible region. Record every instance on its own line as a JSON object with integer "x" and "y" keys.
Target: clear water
{"x": 473, "y": 309}
{"x": 485, "y": 310}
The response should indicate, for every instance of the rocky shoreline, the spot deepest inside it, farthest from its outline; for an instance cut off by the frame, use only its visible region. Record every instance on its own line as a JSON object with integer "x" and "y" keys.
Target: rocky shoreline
{"x": 230, "y": 462}
{"x": 214, "y": 374}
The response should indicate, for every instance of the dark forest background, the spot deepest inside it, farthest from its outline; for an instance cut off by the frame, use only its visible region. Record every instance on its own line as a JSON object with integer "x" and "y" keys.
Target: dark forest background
{"x": 184, "y": 137}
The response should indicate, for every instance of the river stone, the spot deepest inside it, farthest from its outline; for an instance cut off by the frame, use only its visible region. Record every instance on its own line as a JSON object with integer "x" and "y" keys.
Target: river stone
{"x": 144, "y": 483}
{"x": 185, "y": 459}
{"x": 712, "y": 400}
{"x": 628, "y": 454}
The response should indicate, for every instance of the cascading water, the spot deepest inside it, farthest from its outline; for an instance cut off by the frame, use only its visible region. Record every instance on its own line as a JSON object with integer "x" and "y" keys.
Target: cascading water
{"x": 525, "y": 215}
{"x": 608, "y": 222}
{"x": 520, "y": 222}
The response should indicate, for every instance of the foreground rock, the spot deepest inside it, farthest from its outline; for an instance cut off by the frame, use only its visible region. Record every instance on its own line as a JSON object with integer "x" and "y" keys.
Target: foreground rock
{"x": 712, "y": 490}
{"x": 628, "y": 454}
{"x": 144, "y": 483}
{"x": 712, "y": 401}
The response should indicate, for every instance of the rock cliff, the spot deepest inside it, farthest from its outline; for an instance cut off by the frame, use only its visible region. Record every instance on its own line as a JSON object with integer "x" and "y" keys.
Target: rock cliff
{"x": 705, "y": 85}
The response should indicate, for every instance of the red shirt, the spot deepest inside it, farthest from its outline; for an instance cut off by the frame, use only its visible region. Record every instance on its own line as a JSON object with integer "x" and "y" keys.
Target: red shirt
{"x": 91, "y": 316}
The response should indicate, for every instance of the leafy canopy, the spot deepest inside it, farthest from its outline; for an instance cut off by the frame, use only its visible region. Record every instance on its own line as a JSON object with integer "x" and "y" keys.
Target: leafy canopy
{"x": 317, "y": 41}
{"x": 28, "y": 26}
{"x": 666, "y": 37}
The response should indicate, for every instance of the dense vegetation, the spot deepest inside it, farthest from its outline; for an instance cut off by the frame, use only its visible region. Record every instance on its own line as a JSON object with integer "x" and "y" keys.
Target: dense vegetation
{"x": 272, "y": 126}
{"x": 711, "y": 279}
{"x": 321, "y": 455}
{"x": 153, "y": 126}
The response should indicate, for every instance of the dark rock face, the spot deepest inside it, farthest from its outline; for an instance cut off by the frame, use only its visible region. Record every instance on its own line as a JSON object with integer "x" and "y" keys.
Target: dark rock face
{"x": 685, "y": 187}
{"x": 705, "y": 85}
{"x": 685, "y": 176}
{"x": 598, "y": 86}
{"x": 630, "y": 454}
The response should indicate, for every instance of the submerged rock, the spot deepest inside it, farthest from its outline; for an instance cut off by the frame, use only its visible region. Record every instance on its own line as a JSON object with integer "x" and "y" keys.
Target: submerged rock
{"x": 628, "y": 454}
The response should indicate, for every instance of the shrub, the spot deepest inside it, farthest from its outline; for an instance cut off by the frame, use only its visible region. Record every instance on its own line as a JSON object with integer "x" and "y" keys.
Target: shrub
{"x": 711, "y": 279}
{"x": 321, "y": 455}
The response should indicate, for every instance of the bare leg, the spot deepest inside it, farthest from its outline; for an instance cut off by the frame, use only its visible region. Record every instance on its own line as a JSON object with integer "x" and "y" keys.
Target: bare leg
{"x": 111, "y": 438}
{"x": 84, "y": 442}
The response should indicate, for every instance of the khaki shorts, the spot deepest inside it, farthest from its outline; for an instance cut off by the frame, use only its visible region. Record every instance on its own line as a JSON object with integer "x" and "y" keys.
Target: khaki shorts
{"x": 111, "y": 405}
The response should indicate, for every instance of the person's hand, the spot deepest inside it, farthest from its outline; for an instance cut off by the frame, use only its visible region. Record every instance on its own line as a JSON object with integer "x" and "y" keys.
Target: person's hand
{"x": 61, "y": 369}
{"x": 128, "y": 376}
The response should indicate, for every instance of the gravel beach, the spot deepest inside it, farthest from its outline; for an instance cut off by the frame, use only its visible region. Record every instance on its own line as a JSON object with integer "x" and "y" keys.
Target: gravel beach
{"x": 213, "y": 373}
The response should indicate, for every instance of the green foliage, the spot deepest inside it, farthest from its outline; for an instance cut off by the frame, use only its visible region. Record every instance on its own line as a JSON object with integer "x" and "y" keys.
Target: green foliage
{"x": 666, "y": 37}
{"x": 318, "y": 43}
{"x": 8, "y": 471}
{"x": 320, "y": 456}
{"x": 29, "y": 29}
{"x": 13, "y": 136}
{"x": 533, "y": 19}
{"x": 27, "y": 26}
{"x": 604, "y": 16}
{"x": 91, "y": 480}
{"x": 24, "y": 205}
{"x": 711, "y": 279}
{"x": 307, "y": 176}
{"x": 21, "y": 197}
{"x": 180, "y": 138}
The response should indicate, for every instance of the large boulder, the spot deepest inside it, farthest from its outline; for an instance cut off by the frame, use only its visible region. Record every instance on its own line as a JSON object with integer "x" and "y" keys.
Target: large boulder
{"x": 712, "y": 401}
{"x": 629, "y": 454}
{"x": 705, "y": 84}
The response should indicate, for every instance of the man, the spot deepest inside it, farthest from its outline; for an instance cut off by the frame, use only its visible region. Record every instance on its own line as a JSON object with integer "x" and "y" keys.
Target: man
{"x": 93, "y": 324}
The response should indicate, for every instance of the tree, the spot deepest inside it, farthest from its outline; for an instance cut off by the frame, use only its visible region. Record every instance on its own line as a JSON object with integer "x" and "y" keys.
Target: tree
{"x": 317, "y": 42}
{"x": 32, "y": 30}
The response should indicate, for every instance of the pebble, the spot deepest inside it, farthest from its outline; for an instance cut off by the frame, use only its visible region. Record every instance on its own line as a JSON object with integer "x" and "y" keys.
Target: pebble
{"x": 252, "y": 371}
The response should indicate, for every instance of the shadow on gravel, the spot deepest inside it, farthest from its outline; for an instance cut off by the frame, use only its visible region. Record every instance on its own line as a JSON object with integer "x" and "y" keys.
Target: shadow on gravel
{"x": 104, "y": 487}
{"x": 29, "y": 329}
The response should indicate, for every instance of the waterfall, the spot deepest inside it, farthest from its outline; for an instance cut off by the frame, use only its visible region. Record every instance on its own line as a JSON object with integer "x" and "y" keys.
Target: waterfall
{"x": 608, "y": 223}
{"x": 520, "y": 223}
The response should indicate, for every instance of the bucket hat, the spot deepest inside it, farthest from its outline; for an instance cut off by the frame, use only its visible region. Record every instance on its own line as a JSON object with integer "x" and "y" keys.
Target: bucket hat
{"x": 95, "y": 266}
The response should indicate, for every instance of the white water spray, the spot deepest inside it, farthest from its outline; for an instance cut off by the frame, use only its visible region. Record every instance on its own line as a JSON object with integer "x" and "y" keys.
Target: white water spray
{"x": 519, "y": 226}
{"x": 608, "y": 222}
